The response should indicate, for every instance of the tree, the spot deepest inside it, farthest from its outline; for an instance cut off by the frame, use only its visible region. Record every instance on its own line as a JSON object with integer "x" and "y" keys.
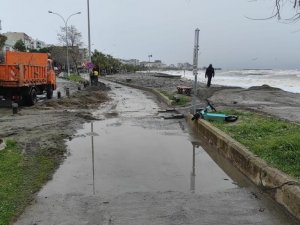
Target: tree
{"x": 3, "y": 39}
{"x": 20, "y": 46}
{"x": 294, "y": 4}
{"x": 131, "y": 68}
{"x": 99, "y": 59}
{"x": 282, "y": 7}
{"x": 41, "y": 50}
{"x": 74, "y": 43}
{"x": 106, "y": 64}
{"x": 58, "y": 54}
{"x": 2, "y": 43}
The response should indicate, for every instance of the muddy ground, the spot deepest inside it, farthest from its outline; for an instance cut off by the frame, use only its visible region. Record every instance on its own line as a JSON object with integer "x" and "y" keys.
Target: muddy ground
{"x": 59, "y": 119}
{"x": 265, "y": 99}
{"x": 50, "y": 122}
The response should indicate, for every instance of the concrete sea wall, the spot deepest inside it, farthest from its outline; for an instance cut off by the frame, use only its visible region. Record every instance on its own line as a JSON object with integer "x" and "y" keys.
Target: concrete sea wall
{"x": 283, "y": 188}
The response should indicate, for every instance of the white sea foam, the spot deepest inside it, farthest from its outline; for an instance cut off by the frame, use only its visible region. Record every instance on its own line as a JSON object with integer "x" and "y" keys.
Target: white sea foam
{"x": 288, "y": 80}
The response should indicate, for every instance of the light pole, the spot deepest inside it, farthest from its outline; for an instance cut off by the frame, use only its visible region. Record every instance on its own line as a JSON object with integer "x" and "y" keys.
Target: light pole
{"x": 66, "y": 28}
{"x": 195, "y": 67}
{"x": 149, "y": 56}
{"x": 89, "y": 35}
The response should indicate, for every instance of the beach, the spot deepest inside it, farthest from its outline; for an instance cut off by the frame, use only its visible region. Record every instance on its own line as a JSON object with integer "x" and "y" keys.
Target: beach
{"x": 287, "y": 80}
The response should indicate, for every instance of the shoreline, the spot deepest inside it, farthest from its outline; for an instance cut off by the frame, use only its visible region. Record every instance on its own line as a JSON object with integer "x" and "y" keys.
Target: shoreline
{"x": 286, "y": 80}
{"x": 265, "y": 99}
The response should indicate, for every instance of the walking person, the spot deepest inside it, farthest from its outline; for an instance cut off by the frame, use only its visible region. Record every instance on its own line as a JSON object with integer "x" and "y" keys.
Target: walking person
{"x": 209, "y": 73}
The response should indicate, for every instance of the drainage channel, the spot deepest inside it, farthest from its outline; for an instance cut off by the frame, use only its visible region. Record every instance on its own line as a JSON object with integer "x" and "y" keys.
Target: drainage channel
{"x": 133, "y": 153}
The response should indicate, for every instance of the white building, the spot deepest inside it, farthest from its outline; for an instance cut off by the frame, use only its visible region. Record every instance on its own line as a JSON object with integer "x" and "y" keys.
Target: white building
{"x": 13, "y": 37}
{"x": 185, "y": 66}
{"x": 157, "y": 64}
{"x": 134, "y": 62}
{"x": 30, "y": 43}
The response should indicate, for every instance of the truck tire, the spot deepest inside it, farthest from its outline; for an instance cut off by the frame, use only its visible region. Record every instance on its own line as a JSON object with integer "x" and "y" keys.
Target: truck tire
{"x": 31, "y": 98}
{"x": 49, "y": 93}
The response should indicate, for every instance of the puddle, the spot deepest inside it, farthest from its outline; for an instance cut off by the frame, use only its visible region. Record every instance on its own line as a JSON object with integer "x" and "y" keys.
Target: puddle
{"x": 137, "y": 151}
{"x": 106, "y": 159}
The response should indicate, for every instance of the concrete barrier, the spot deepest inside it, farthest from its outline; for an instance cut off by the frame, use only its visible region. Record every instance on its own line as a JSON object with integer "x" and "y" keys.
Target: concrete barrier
{"x": 283, "y": 188}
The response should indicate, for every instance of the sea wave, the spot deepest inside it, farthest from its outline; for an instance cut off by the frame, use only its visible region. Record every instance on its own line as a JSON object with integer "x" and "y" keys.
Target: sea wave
{"x": 287, "y": 80}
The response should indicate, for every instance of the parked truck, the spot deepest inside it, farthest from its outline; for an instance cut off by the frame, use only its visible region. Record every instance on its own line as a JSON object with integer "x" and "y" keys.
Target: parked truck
{"x": 25, "y": 75}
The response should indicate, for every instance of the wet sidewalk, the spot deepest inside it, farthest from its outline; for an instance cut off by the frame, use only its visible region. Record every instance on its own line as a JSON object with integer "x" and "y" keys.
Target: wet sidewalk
{"x": 134, "y": 167}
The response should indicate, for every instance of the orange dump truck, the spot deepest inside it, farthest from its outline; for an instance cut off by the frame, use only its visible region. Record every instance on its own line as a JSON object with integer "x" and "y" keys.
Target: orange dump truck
{"x": 25, "y": 75}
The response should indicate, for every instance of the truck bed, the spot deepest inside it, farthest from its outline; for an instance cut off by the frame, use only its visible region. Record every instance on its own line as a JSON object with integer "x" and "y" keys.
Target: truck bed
{"x": 22, "y": 75}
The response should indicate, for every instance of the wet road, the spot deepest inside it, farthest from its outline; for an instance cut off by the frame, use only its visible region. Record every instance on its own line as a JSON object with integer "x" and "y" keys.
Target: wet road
{"x": 134, "y": 167}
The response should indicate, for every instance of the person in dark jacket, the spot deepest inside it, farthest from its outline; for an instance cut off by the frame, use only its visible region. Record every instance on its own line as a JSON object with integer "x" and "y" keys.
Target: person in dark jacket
{"x": 209, "y": 73}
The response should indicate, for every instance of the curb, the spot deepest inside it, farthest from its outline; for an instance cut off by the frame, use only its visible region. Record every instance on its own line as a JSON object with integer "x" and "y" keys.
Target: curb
{"x": 284, "y": 189}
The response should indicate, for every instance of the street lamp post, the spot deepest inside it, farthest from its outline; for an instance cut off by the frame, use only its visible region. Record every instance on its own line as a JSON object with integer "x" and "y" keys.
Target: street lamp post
{"x": 89, "y": 30}
{"x": 89, "y": 35}
{"x": 149, "y": 56}
{"x": 66, "y": 28}
{"x": 195, "y": 67}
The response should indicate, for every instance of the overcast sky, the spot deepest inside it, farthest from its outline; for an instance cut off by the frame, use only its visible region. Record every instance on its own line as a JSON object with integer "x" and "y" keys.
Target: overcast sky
{"x": 165, "y": 28}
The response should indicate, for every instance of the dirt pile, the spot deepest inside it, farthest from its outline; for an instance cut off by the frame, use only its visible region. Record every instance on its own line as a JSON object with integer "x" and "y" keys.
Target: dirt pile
{"x": 87, "y": 99}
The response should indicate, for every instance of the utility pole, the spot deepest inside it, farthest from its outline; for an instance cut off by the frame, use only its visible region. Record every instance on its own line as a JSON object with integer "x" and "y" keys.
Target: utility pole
{"x": 89, "y": 36}
{"x": 195, "y": 67}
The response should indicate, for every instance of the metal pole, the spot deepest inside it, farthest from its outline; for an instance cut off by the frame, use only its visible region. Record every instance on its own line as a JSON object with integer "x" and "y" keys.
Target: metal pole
{"x": 67, "y": 46}
{"x": 149, "y": 64}
{"x": 195, "y": 67}
{"x": 89, "y": 35}
{"x": 66, "y": 28}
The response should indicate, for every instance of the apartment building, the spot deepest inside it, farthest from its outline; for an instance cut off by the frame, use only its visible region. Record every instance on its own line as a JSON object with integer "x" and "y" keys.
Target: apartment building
{"x": 13, "y": 37}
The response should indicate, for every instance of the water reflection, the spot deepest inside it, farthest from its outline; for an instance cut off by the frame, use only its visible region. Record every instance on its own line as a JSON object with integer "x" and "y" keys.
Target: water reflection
{"x": 193, "y": 173}
{"x": 92, "y": 134}
{"x": 93, "y": 156}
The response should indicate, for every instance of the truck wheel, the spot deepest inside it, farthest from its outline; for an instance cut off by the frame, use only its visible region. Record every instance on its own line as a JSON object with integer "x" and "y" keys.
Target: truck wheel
{"x": 49, "y": 93}
{"x": 31, "y": 97}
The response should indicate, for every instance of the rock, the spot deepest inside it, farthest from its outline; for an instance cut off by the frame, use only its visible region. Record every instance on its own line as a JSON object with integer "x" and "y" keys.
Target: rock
{"x": 2, "y": 144}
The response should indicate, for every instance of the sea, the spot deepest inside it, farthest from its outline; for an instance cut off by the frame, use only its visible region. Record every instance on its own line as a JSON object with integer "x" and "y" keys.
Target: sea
{"x": 287, "y": 80}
